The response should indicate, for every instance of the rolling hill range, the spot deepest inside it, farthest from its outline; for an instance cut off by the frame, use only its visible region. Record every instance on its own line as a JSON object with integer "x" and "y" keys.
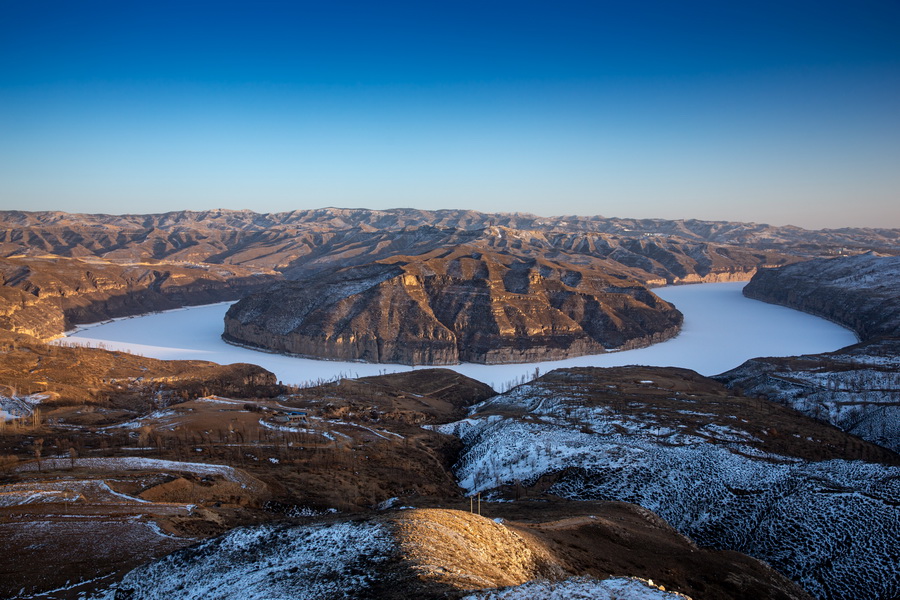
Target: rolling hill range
{"x": 212, "y": 233}
{"x": 144, "y": 483}
{"x": 651, "y": 251}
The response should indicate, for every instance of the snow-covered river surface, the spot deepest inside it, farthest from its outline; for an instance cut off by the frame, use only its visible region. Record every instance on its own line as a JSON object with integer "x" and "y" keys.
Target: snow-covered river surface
{"x": 721, "y": 330}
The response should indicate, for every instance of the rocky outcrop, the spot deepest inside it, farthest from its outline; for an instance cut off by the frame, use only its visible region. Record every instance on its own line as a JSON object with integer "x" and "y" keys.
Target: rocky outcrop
{"x": 859, "y": 292}
{"x": 455, "y": 305}
{"x": 44, "y": 296}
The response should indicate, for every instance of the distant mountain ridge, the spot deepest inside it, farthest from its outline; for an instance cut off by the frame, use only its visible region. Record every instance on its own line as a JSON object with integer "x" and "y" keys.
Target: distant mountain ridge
{"x": 723, "y": 232}
{"x": 253, "y": 248}
{"x": 297, "y": 243}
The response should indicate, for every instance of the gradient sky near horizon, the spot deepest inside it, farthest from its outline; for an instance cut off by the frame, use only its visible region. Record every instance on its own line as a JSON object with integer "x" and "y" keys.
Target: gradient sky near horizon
{"x": 779, "y": 112}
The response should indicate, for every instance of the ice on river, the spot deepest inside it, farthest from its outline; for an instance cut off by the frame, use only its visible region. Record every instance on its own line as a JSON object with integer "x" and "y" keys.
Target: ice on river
{"x": 721, "y": 330}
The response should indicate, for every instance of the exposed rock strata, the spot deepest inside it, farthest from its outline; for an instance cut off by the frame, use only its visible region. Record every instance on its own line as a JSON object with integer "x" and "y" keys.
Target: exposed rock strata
{"x": 44, "y": 296}
{"x": 451, "y": 306}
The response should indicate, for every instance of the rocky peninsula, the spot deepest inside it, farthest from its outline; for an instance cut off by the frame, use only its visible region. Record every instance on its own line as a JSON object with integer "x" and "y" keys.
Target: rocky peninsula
{"x": 453, "y": 305}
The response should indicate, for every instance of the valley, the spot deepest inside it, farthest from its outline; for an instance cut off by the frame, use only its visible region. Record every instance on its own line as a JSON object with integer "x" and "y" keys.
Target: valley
{"x": 777, "y": 479}
{"x": 722, "y": 329}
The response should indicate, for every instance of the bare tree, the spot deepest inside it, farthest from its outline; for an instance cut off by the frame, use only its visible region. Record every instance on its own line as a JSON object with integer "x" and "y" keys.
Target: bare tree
{"x": 144, "y": 435}
{"x": 38, "y": 450}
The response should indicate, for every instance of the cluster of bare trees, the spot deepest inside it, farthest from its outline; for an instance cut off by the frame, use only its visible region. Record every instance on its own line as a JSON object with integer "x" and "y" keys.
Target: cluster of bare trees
{"x": 520, "y": 380}
{"x": 23, "y": 424}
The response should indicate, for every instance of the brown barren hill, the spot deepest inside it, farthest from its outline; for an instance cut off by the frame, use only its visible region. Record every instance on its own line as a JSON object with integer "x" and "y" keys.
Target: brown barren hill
{"x": 458, "y": 304}
{"x": 43, "y": 296}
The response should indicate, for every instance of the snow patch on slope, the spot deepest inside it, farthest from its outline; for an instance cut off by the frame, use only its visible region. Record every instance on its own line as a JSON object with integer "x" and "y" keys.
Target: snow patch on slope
{"x": 266, "y": 563}
{"x": 581, "y": 588}
{"x": 133, "y": 463}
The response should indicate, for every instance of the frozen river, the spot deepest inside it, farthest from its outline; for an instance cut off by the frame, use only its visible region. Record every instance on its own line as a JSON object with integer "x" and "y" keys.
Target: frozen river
{"x": 721, "y": 330}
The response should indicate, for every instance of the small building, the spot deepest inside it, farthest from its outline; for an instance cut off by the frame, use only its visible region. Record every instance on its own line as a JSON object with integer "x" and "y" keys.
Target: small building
{"x": 294, "y": 417}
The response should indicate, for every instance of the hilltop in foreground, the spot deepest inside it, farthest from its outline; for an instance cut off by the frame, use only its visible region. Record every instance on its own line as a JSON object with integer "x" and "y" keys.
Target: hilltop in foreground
{"x": 451, "y": 554}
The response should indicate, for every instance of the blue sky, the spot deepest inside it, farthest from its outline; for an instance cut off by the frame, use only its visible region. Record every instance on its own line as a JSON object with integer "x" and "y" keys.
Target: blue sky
{"x": 772, "y": 112}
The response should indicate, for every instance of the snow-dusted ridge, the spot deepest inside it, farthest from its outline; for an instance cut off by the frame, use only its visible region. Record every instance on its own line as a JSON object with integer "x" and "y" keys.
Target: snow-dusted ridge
{"x": 857, "y": 389}
{"x": 832, "y": 525}
{"x": 436, "y": 553}
{"x": 576, "y": 588}
{"x": 333, "y": 560}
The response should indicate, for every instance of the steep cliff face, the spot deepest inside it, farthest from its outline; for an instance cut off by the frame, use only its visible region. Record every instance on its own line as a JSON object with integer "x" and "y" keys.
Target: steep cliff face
{"x": 368, "y": 313}
{"x": 859, "y": 292}
{"x": 43, "y": 296}
{"x": 453, "y": 305}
